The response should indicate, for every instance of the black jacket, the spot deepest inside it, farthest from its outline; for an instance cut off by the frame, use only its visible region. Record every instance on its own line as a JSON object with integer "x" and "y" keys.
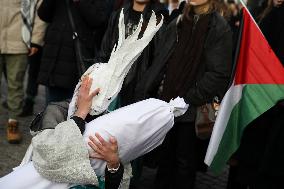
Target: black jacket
{"x": 145, "y": 59}
{"x": 272, "y": 27}
{"x": 58, "y": 66}
{"x": 261, "y": 152}
{"x": 213, "y": 75}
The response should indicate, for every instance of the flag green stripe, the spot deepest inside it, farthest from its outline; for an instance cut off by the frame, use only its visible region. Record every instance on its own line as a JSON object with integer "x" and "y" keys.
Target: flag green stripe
{"x": 256, "y": 99}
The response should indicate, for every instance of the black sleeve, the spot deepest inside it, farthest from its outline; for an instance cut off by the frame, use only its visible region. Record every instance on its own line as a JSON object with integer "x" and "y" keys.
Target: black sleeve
{"x": 36, "y": 45}
{"x": 148, "y": 85}
{"x": 218, "y": 60}
{"x": 266, "y": 25}
{"x": 112, "y": 180}
{"x": 94, "y": 12}
{"x": 109, "y": 39}
{"x": 80, "y": 123}
{"x": 46, "y": 10}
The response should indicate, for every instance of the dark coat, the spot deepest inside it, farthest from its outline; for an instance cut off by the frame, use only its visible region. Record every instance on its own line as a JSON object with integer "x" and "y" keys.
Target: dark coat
{"x": 58, "y": 66}
{"x": 145, "y": 59}
{"x": 272, "y": 27}
{"x": 261, "y": 152}
{"x": 213, "y": 75}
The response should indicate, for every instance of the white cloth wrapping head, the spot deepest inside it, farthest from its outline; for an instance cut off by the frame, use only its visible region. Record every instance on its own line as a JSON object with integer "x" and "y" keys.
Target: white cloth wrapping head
{"x": 109, "y": 77}
{"x": 138, "y": 128}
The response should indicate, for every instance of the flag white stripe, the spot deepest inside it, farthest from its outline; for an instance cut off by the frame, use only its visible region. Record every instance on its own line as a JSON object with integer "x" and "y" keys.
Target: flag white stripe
{"x": 231, "y": 98}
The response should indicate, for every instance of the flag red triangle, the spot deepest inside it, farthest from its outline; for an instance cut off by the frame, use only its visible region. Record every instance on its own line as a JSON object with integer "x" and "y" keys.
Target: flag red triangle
{"x": 257, "y": 63}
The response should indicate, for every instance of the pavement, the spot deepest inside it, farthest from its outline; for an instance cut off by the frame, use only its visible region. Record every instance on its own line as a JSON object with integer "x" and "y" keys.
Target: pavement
{"x": 11, "y": 155}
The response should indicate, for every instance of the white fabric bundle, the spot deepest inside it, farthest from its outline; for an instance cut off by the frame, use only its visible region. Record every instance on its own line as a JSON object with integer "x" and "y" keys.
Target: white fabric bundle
{"x": 109, "y": 77}
{"x": 138, "y": 128}
{"x": 26, "y": 177}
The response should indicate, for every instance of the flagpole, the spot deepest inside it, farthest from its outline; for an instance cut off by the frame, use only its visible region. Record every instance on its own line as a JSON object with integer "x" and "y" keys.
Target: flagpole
{"x": 239, "y": 42}
{"x": 237, "y": 50}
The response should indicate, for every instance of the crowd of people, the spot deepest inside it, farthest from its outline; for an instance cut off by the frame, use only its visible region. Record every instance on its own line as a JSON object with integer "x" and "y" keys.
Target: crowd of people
{"x": 191, "y": 56}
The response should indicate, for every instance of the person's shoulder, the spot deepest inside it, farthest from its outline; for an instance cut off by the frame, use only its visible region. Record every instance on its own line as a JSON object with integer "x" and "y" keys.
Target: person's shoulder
{"x": 219, "y": 23}
{"x": 114, "y": 16}
{"x": 173, "y": 24}
{"x": 116, "y": 13}
{"x": 160, "y": 9}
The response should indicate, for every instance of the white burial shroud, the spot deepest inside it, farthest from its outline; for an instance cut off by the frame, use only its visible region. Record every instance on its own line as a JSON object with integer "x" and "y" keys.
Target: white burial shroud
{"x": 109, "y": 76}
{"x": 138, "y": 128}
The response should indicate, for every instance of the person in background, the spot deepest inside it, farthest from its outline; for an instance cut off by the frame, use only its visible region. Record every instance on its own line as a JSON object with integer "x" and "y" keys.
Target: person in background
{"x": 172, "y": 5}
{"x": 21, "y": 33}
{"x": 32, "y": 85}
{"x": 175, "y": 8}
{"x": 234, "y": 21}
{"x": 272, "y": 26}
{"x": 194, "y": 63}
{"x": 234, "y": 14}
{"x": 223, "y": 9}
{"x": 256, "y": 7}
{"x": 58, "y": 69}
{"x": 133, "y": 9}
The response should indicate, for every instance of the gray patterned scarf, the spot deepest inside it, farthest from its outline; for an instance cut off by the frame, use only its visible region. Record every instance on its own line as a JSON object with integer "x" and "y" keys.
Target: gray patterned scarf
{"x": 28, "y": 11}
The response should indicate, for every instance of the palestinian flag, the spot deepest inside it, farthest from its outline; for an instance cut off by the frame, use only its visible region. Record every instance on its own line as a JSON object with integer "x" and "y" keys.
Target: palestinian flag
{"x": 257, "y": 86}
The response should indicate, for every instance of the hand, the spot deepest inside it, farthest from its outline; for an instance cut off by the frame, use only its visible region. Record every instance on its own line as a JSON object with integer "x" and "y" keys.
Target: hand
{"x": 84, "y": 101}
{"x": 107, "y": 151}
{"x": 32, "y": 51}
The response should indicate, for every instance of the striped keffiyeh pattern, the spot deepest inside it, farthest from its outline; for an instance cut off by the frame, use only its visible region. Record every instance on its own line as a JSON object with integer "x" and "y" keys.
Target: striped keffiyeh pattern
{"x": 28, "y": 11}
